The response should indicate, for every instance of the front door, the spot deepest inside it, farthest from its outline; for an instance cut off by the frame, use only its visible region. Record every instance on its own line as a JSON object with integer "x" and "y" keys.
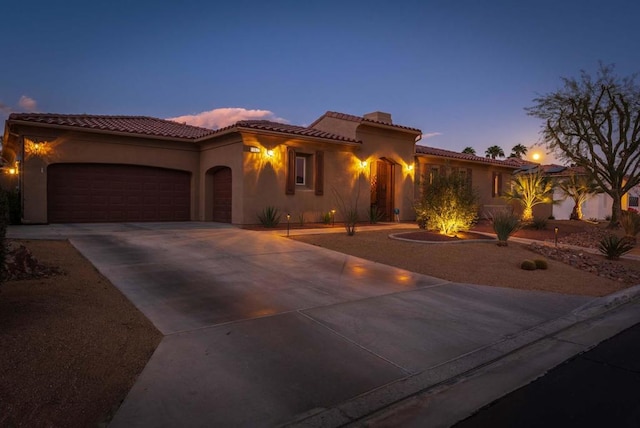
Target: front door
{"x": 222, "y": 195}
{"x": 382, "y": 190}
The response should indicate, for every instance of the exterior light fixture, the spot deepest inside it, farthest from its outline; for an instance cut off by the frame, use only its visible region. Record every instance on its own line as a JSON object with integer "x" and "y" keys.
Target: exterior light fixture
{"x": 410, "y": 167}
{"x": 253, "y": 149}
{"x": 555, "y": 231}
{"x": 270, "y": 153}
{"x": 333, "y": 218}
{"x": 288, "y": 218}
{"x": 363, "y": 164}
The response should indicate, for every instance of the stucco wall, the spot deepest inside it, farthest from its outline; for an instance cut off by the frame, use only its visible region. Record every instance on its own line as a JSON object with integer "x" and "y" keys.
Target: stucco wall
{"x": 398, "y": 147}
{"x": 265, "y": 179}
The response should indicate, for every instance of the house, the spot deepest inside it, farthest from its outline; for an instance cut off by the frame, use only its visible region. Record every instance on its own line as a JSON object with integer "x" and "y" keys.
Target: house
{"x": 88, "y": 168}
{"x": 489, "y": 177}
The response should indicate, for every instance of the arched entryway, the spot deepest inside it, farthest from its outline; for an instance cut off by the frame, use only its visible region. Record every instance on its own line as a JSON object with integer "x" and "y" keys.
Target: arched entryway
{"x": 221, "y": 181}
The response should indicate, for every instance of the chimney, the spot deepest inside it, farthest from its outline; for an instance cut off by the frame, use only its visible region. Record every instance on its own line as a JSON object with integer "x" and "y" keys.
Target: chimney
{"x": 379, "y": 116}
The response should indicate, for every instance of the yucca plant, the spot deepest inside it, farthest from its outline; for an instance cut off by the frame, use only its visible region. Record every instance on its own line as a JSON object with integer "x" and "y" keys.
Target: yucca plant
{"x": 505, "y": 224}
{"x": 530, "y": 189}
{"x": 375, "y": 214}
{"x": 269, "y": 217}
{"x": 612, "y": 247}
{"x": 630, "y": 222}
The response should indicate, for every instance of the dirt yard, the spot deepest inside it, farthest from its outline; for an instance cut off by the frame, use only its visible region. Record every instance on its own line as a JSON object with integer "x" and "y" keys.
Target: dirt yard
{"x": 480, "y": 263}
{"x": 72, "y": 344}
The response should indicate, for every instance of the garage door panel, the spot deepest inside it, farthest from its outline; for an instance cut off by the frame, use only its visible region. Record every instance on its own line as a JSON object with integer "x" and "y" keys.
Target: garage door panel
{"x": 113, "y": 193}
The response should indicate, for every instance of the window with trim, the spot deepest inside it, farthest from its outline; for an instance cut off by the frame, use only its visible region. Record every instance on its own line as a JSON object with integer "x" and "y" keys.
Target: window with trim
{"x": 433, "y": 173}
{"x": 633, "y": 201}
{"x": 304, "y": 171}
{"x": 496, "y": 185}
{"x": 301, "y": 170}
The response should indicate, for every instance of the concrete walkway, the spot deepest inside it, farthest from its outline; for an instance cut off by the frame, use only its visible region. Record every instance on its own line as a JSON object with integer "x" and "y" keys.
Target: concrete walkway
{"x": 265, "y": 331}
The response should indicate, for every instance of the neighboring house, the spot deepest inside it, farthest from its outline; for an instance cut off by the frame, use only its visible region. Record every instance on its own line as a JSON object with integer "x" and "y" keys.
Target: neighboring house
{"x": 86, "y": 168}
{"x": 489, "y": 177}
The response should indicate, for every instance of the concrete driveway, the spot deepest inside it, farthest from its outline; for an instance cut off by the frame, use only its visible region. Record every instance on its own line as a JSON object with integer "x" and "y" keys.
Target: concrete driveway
{"x": 261, "y": 330}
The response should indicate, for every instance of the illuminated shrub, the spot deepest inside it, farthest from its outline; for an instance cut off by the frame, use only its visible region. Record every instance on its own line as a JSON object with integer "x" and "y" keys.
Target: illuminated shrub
{"x": 448, "y": 204}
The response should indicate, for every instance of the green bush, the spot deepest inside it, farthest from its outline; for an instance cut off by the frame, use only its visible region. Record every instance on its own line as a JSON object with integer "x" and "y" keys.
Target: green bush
{"x": 326, "y": 218}
{"x": 541, "y": 264}
{"x": 528, "y": 265}
{"x": 504, "y": 225}
{"x": 612, "y": 247}
{"x": 269, "y": 217}
{"x": 448, "y": 204}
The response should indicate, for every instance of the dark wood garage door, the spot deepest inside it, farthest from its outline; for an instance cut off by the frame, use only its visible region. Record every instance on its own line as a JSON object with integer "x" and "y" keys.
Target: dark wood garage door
{"x": 222, "y": 195}
{"x": 81, "y": 193}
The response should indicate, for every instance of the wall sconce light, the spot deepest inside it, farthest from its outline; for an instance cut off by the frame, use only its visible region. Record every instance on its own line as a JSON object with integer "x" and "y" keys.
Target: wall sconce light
{"x": 410, "y": 167}
{"x": 363, "y": 164}
{"x": 253, "y": 149}
{"x": 15, "y": 169}
{"x": 269, "y": 153}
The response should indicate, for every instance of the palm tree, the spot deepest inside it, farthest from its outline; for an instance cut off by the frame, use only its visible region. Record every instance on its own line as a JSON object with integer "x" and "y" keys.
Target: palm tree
{"x": 469, "y": 150}
{"x": 530, "y": 189}
{"x": 494, "y": 152}
{"x": 580, "y": 188}
{"x": 518, "y": 151}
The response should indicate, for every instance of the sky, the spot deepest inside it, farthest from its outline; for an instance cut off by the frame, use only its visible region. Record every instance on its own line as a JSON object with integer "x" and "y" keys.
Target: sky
{"x": 461, "y": 71}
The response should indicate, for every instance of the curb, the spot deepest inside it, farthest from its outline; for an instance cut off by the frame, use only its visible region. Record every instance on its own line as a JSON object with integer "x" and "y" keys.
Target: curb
{"x": 456, "y": 370}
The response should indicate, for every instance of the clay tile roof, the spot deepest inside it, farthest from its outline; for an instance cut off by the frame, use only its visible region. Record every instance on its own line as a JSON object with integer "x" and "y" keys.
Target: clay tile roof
{"x": 267, "y": 125}
{"x": 360, "y": 119}
{"x": 434, "y": 151}
{"x": 142, "y": 125}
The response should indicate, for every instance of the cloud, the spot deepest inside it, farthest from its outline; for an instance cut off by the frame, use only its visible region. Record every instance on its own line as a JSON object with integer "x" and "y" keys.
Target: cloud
{"x": 221, "y": 117}
{"x": 28, "y": 103}
{"x": 430, "y": 134}
{"x": 4, "y": 108}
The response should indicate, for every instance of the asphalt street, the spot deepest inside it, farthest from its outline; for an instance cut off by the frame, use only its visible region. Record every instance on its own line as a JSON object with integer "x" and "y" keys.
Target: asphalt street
{"x": 598, "y": 388}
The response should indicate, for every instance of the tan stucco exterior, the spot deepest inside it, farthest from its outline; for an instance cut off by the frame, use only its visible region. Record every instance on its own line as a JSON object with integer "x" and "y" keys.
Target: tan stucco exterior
{"x": 350, "y": 162}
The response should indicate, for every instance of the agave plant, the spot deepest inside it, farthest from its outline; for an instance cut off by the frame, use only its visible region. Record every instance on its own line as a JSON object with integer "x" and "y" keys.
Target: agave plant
{"x": 505, "y": 224}
{"x": 269, "y": 217}
{"x": 612, "y": 247}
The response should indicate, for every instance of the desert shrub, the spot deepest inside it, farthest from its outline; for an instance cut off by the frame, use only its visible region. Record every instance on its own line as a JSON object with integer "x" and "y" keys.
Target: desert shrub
{"x": 551, "y": 217}
{"x": 375, "y": 215}
{"x": 528, "y": 265}
{"x": 630, "y": 222}
{"x": 269, "y": 217}
{"x": 504, "y": 225}
{"x": 448, "y": 204}
{"x": 541, "y": 264}
{"x": 326, "y": 218}
{"x": 350, "y": 221}
{"x": 612, "y": 247}
{"x": 539, "y": 223}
